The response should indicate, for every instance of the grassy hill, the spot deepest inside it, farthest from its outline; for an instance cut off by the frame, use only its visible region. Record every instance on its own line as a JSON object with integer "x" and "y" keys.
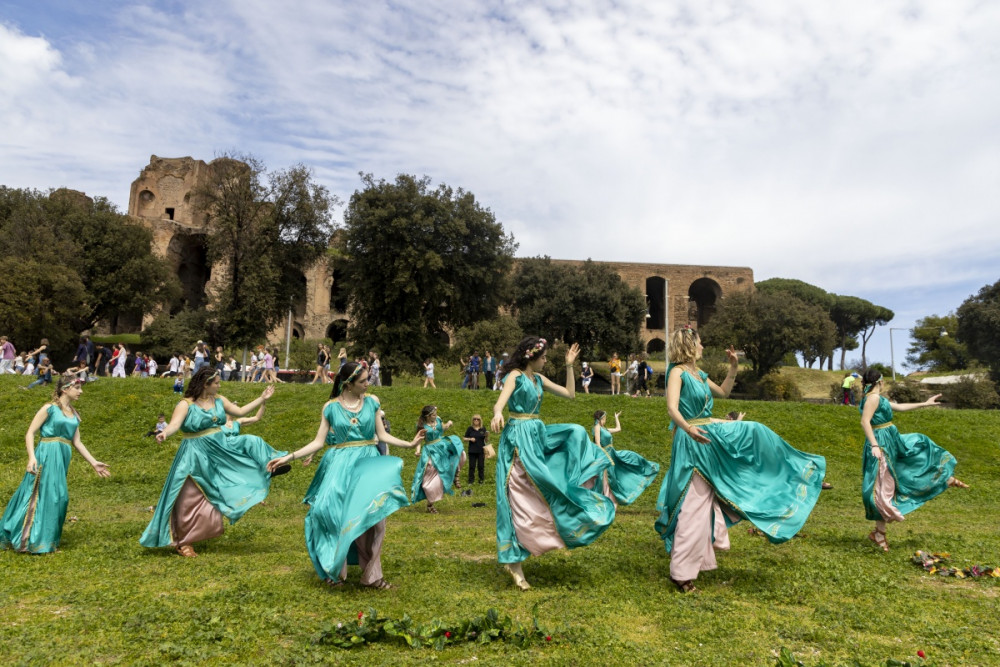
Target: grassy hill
{"x": 252, "y": 596}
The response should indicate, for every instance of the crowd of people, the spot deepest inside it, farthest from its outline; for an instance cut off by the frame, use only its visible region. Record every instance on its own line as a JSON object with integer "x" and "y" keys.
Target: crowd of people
{"x": 557, "y": 485}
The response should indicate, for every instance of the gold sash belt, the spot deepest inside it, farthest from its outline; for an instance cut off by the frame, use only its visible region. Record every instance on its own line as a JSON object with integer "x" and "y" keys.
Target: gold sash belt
{"x": 433, "y": 442}
{"x": 202, "y": 434}
{"x": 355, "y": 443}
{"x": 56, "y": 438}
{"x": 700, "y": 421}
{"x": 522, "y": 415}
{"x": 881, "y": 426}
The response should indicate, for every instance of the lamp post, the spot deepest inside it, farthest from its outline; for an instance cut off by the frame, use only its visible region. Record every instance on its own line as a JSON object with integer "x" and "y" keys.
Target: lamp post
{"x": 942, "y": 332}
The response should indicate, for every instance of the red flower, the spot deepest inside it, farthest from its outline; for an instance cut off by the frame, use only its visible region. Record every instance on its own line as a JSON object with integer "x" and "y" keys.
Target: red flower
{"x": 921, "y": 654}
{"x": 447, "y": 634}
{"x": 360, "y": 614}
{"x": 548, "y": 638}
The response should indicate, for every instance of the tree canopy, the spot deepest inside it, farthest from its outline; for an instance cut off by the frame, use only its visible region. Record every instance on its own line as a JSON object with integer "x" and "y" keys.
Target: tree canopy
{"x": 420, "y": 261}
{"x": 588, "y": 304}
{"x": 823, "y": 337}
{"x": 265, "y": 228}
{"x": 979, "y": 324}
{"x": 935, "y": 346}
{"x": 765, "y": 325}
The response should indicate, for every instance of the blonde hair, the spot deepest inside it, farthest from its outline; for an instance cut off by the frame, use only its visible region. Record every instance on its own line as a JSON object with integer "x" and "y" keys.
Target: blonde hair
{"x": 683, "y": 346}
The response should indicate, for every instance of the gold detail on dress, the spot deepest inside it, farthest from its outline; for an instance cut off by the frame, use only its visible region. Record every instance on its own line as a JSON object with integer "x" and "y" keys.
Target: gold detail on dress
{"x": 55, "y": 438}
{"x": 523, "y": 415}
{"x": 354, "y": 443}
{"x": 700, "y": 421}
{"x": 882, "y": 426}
{"x": 202, "y": 434}
{"x": 433, "y": 442}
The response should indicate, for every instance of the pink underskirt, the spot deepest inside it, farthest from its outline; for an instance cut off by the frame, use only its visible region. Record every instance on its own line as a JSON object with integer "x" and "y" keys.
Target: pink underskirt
{"x": 369, "y": 547}
{"x": 534, "y": 524}
{"x": 693, "y": 550}
{"x": 194, "y": 518}
{"x": 431, "y": 483}
{"x": 885, "y": 491}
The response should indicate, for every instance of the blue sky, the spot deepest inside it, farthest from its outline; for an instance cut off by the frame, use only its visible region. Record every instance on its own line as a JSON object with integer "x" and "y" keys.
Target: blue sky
{"x": 853, "y": 145}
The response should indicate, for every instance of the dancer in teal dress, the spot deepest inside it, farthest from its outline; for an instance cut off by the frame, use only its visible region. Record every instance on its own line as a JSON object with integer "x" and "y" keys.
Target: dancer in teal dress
{"x": 33, "y": 519}
{"x": 724, "y": 471}
{"x": 629, "y": 474}
{"x": 253, "y": 446}
{"x": 545, "y": 472}
{"x": 354, "y": 488}
{"x": 213, "y": 476}
{"x": 899, "y": 472}
{"x": 441, "y": 457}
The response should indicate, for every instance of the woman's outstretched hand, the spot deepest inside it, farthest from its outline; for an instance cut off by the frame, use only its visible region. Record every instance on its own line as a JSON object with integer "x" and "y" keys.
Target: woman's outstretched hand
{"x": 496, "y": 424}
{"x": 732, "y": 356}
{"x": 274, "y": 464}
{"x": 572, "y": 353}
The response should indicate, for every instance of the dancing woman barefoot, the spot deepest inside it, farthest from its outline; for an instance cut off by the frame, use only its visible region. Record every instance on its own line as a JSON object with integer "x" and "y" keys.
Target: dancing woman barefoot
{"x": 900, "y": 472}
{"x": 33, "y": 520}
{"x": 354, "y": 488}
{"x": 545, "y": 472}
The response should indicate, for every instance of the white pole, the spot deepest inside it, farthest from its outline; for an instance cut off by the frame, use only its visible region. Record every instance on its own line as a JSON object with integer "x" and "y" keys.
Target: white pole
{"x": 288, "y": 336}
{"x": 892, "y": 356}
{"x": 666, "y": 330}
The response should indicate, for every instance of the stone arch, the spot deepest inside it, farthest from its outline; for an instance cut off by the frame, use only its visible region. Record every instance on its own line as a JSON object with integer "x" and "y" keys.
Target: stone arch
{"x": 337, "y": 331}
{"x": 147, "y": 200}
{"x": 189, "y": 256}
{"x": 338, "y": 293}
{"x": 704, "y": 294}
{"x": 298, "y": 330}
{"x": 656, "y": 295}
{"x": 655, "y": 345}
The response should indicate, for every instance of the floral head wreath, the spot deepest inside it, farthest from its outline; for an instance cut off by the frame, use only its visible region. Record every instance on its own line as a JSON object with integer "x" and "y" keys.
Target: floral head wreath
{"x": 536, "y": 349}
{"x": 69, "y": 382}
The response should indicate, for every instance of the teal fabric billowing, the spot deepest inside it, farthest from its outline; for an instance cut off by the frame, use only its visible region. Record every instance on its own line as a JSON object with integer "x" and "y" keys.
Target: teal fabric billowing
{"x": 559, "y": 459}
{"x": 353, "y": 489}
{"x": 920, "y": 467}
{"x": 47, "y": 488}
{"x": 444, "y": 455}
{"x": 630, "y": 473}
{"x": 229, "y": 471}
{"x": 753, "y": 472}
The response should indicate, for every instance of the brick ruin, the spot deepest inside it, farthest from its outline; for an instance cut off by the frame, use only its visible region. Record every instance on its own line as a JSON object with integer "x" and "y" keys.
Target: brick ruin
{"x": 160, "y": 199}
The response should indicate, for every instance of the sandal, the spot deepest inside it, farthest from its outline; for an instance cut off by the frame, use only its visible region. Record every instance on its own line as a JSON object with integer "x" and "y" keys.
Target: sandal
{"x": 335, "y": 583}
{"x": 685, "y": 586}
{"x": 518, "y": 577}
{"x": 186, "y": 551}
{"x": 380, "y": 585}
{"x": 878, "y": 537}
{"x": 281, "y": 470}
{"x": 957, "y": 483}
{"x": 826, "y": 485}
{"x": 431, "y": 509}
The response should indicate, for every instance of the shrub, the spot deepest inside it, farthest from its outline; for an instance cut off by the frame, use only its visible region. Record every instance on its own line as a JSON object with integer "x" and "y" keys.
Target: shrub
{"x": 771, "y": 387}
{"x": 905, "y": 391}
{"x": 168, "y": 334}
{"x": 973, "y": 392}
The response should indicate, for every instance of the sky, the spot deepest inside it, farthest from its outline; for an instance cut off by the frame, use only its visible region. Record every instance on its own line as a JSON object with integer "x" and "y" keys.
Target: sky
{"x": 853, "y": 145}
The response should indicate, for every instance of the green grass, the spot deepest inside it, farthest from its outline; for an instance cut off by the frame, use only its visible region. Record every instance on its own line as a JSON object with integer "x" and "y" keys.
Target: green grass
{"x": 252, "y": 596}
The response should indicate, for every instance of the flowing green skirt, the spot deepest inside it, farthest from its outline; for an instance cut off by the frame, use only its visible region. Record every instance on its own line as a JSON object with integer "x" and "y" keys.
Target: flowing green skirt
{"x": 751, "y": 470}
{"x": 354, "y": 488}
{"x": 445, "y": 455}
{"x": 919, "y": 467}
{"x": 629, "y": 474}
{"x": 559, "y": 459}
{"x": 33, "y": 519}
{"x": 228, "y": 470}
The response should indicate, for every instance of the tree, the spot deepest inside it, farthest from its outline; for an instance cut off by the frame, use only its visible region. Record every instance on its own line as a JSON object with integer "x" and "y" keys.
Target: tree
{"x": 589, "y": 304}
{"x": 264, "y": 229}
{"x": 766, "y": 326}
{"x": 872, "y": 316}
{"x": 420, "y": 261}
{"x": 823, "y": 340}
{"x": 497, "y": 335}
{"x": 40, "y": 301}
{"x": 979, "y": 324}
{"x": 848, "y": 315}
{"x": 935, "y": 346}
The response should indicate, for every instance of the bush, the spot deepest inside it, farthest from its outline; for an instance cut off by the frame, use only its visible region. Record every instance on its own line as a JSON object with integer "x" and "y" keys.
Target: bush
{"x": 169, "y": 334}
{"x": 771, "y": 387}
{"x": 973, "y": 392}
{"x": 905, "y": 391}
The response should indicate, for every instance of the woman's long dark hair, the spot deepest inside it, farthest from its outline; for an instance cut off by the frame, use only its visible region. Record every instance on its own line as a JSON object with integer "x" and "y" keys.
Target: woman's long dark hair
{"x": 869, "y": 379}
{"x": 196, "y": 386}
{"x": 347, "y": 374}
{"x": 519, "y": 358}
{"x": 599, "y": 414}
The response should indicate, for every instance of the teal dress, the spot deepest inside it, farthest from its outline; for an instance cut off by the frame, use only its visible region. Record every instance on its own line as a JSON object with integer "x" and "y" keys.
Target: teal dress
{"x": 444, "y": 452}
{"x": 560, "y": 460}
{"x": 230, "y": 478}
{"x": 629, "y": 474}
{"x": 33, "y": 520}
{"x": 253, "y": 446}
{"x": 354, "y": 488}
{"x": 753, "y": 472}
{"x": 920, "y": 468}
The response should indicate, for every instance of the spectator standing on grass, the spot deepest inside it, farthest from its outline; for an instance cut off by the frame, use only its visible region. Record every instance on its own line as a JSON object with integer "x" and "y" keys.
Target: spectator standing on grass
{"x": 101, "y": 356}
{"x": 476, "y": 435}
{"x": 848, "y": 386}
{"x": 644, "y": 373}
{"x": 40, "y": 352}
{"x": 82, "y": 357}
{"x": 615, "y": 367}
{"x": 7, "y": 354}
{"x": 200, "y": 354}
{"x": 342, "y": 357}
{"x": 475, "y": 366}
{"x": 118, "y": 361}
{"x": 429, "y": 374}
{"x": 586, "y": 377}
{"x": 489, "y": 369}
{"x": 322, "y": 357}
{"x": 632, "y": 374}
{"x": 501, "y": 363}
{"x": 375, "y": 369}
{"x": 151, "y": 366}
